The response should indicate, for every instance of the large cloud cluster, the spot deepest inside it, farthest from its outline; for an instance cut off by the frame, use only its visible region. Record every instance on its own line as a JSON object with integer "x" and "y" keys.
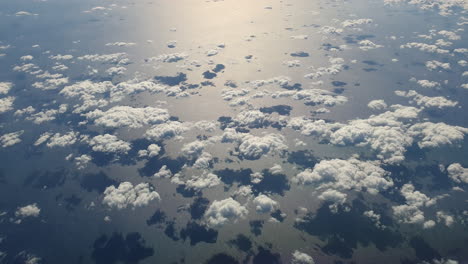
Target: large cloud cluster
{"x": 224, "y": 211}
{"x": 126, "y": 116}
{"x": 127, "y": 195}
{"x": 336, "y": 176}
{"x": 109, "y": 143}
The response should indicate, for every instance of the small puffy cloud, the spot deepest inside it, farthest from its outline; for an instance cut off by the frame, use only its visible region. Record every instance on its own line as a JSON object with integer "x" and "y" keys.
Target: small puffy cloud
{"x": 345, "y": 175}
{"x": 169, "y": 58}
{"x": 437, "y": 65}
{"x": 253, "y": 147}
{"x": 333, "y": 196}
{"x": 193, "y": 149}
{"x": 109, "y": 143}
{"x": 114, "y": 58}
{"x": 264, "y": 204}
{"x": 5, "y": 87}
{"x": 445, "y": 218}
{"x": 6, "y": 104}
{"x": 163, "y": 172}
{"x": 411, "y": 212}
{"x": 152, "y": 151}
{"x": 59, "y": 140}
{"x": 438, "y": 102}
{"x": 457, "y": 173}
{"x": 377, "y": 105}
{"x": 127, "y": 195}
{"x": 121, "y": 44}
{"x": 24, "y": 13}
{"x": 166, "y": 130}
{"x": 301, "y": 258}
{"x": 82, "y": 161}
{"x": 10, "y": 139}
{"x": 355, "y": 22}
{"x": 206, "y": 180}
{"x": 224, "y": 211}
{"x": 368, "y": 45}
{"x": 430, "y": 135}
{"x": 28, "y": 211}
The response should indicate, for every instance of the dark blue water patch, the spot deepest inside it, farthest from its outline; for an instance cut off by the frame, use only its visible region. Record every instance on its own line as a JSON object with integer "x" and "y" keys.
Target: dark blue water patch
{"x": 97, "y": 182}
{"x": 172, "y": 80}
{"x": 344, "y": 230}
{"x": 284, "y": 110}
{"x": 219, "y": 68}
{"x": 301, "y": 54}
{"x": 256, "y": 227}
{"x": 248, "y": 57}
{"x": 209, "y": 75}
{"x": 241, "y": 242}
{"x": 222, "y": 258}
{"x": 153, "y": 165}
{"x": 272, "y": 183}
{"x": 370, "y": 69}
{"x": 72, "y": 202}
{"x": 265, "y": 256}
{"x": 130, "y": 249}
{"x": 278, "y": 215}
{"x": 198, "y": 207}
{"x": 423, "y": 250}
{"x": 158, "y": 218}
{"x": 198, "y": 233}
{"x": 303, "y": 158}
{"x": 294, "y": 86}
{"x": 47, "y": 178}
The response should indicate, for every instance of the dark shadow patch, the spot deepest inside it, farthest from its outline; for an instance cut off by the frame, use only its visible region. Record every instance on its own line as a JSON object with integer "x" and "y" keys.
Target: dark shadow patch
{"x": 222, "y": 258}
{"x": 272, "y": 183}
{"x": 345, "y": 230}
{"x": 229, "y": 176}
{"x": 198, "y": 207}
{"x": 301, "y": 54}
{"x": 241, "y": 242}
{"x": 118, "y": 249}
{"x": 256, "y": 227}
{"x": 172, "y": 80}
{"x": 280, "y": 109}
{"x": 265, "y": 256}
{"x": 303, "y": 158}
{"x": 153, "y": 165}
{"x": 278, "y": 215}
{"x": 171, "y": 231}
{"x": 185, "y": 192}
{"x": 198, "y": 233}
{"x": 72, "y": 202}
{"x": 158, "y": 218}
{"x": 338, "y": 83}
{"x": 49, "y": 178}
{"x": 423, "y": 250}
{"x": 209, "y": 75}
{"x": 96, "y": 182}
{"x": 219, "y": 67}
{"x": 369, "y": 69}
